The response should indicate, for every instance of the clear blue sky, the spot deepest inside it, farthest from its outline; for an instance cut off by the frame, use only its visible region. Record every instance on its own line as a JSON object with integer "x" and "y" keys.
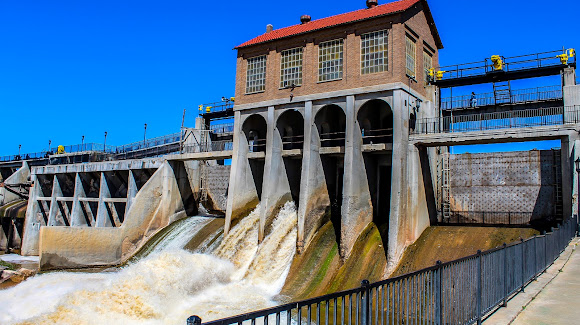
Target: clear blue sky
{"x": 73, "y": 68}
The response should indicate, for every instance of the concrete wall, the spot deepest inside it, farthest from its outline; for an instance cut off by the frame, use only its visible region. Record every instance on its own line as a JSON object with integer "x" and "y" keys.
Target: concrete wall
{"x": 506, "y": 182}
{"x": 21, "y": 176}
{"x": 166, "y": 197}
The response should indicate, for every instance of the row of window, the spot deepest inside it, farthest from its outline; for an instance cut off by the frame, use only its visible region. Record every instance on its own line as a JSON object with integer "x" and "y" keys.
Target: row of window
{"x": 373, "y": 58}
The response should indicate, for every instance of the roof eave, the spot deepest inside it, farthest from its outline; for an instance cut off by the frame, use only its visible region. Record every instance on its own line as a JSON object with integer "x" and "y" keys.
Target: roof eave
{"x": 323, "y": 28}
{"x": 432, "y": 25}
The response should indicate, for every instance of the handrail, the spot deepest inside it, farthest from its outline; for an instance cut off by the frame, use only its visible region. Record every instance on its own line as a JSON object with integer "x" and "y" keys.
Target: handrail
{"x": 514, "y": 63}
{"x": 462, "y": 291}
{"x": 517, "y": 96}
{"x": 499, "y": 120}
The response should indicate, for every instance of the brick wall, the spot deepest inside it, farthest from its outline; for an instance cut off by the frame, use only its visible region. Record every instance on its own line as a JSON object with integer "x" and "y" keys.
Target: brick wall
{"x": 412, "y": 21}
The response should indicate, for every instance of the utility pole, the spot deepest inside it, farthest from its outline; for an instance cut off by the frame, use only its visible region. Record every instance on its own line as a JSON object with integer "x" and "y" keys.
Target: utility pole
{"x": 19, "y": 146}
{"x": 83, "y": 143}
{"x": 144, "y": 134}
{"x": 105, "y": 144}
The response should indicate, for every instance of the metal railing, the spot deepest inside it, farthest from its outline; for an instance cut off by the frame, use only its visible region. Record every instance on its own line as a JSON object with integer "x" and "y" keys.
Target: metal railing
{"x": 216, "y": 107}
{"x": 517, "y": 96}
{"x": 463, "y": 291}
{"x": 222, "y": 128}
{"x": 514, "y": 63}
{"x": 499, "y": 120}
{"x": 489, "y": 218}
{"x": 377, "y": 136}
{"x": 332, "y": 139}
{"x": 153, "y": 142}
{"x": 223, "y": 145}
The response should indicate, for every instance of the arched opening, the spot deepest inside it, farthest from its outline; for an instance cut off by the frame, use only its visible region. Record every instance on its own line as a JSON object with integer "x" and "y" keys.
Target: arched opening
{"x": 255, "y": 130}
{"x": 331, "y": 125}
{"x": 375, "y": 119}
{"x": 290, "y": 125}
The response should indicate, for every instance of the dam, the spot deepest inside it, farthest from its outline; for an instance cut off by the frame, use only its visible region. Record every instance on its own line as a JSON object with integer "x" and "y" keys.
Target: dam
{"x": 331, "y": 165}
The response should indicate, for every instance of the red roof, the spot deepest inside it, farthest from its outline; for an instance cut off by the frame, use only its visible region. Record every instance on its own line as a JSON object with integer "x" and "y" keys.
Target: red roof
{"x": 349, "y": 17}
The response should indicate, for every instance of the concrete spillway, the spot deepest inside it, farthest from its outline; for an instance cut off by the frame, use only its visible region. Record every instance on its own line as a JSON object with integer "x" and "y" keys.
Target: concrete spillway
{"x": 169, "y": 284}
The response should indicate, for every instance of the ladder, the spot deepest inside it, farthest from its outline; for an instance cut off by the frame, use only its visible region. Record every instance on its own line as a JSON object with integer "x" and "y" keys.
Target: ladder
{"x": 558, "y": 204}
{"x": 502, "y": 92}
{"x": 445, "y": 188}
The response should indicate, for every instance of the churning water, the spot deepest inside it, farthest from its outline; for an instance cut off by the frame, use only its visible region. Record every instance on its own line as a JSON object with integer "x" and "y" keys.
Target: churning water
{"x": 168, "y": 285}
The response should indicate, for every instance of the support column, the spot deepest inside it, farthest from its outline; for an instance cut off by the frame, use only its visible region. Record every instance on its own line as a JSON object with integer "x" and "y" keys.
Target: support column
{"x": 275, "y": 186}
{"x": 33, "y": 221}
{"x": 314, "y": 199}
{"x": 243, "y": 196}
{"x": 77, "y": 218}
{"x": 568, "y": 154}
{"x": 357, "y": 210}
{"x": 103, "y": 219}
{"x": 52, "y": 215}
{"x": 131, "y": 191}
{"x": 397, "y": 224}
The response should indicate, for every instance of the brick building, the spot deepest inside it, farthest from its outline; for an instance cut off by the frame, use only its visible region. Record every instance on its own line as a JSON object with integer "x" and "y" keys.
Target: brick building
{"x": 322, "y": 117}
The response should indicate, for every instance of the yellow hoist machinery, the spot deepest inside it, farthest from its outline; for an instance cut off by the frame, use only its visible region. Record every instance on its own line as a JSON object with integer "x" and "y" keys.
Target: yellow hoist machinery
{"x": 436, "y": 75}
{"x": 567, "y": 55}
{"x": 60, "y": 150}
{"x": 497, "y": 62}
{"x": 207, "y": 109}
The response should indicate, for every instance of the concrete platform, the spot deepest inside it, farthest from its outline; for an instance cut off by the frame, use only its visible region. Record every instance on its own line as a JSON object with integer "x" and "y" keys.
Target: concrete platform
{"x": 551, "y": 299}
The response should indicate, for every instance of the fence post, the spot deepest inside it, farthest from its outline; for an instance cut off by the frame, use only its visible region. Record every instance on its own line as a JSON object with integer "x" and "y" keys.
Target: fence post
{"x": 505, "y": 275}
{"x": 479, "y": 285}
{"x": 545, "y": 249}
{"x": 523, "y": 264}
{"x": 535, "y": 258}
{"x": 439, "y": 294}
{"x": 365, "y": 302}
{"x": 193, "y": 320}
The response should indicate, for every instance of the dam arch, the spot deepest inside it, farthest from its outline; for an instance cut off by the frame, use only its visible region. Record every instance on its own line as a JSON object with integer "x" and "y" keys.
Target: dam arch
{"x": 375, "y": 119}
{"x": 290, "y": 126}
{"x": 255, "y": 130}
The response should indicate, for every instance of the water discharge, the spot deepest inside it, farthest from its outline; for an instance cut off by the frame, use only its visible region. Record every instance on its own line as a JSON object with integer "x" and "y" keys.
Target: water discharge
{"x": 168, "y": 285}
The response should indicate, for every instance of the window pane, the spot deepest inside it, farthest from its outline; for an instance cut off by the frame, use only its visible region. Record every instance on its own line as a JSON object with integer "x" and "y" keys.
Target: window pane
{"x": 427, "y": 64}
{"x": 330, "y": 60}
{"x": 256, "y": 75}
{"x": 374, "y": 52}
{"x": 410, "y": 55}
{"x": 291, "y": 68}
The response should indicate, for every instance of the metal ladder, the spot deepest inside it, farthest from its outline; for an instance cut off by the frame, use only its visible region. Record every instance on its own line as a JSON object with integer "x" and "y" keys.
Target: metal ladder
{"x": 558, "y": 204}
{"x": 502, "y": 92}
{"x": 445, "y": 188}
{"x": 203, "y": 167}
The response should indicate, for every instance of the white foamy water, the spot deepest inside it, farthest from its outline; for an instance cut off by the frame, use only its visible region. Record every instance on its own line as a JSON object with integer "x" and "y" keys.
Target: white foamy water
{"x": 168, "y": 285}
{"x": 181, "y": 235}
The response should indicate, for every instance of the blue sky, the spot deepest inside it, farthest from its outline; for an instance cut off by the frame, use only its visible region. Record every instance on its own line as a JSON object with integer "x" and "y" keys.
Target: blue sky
{"x": 73, "y": 68}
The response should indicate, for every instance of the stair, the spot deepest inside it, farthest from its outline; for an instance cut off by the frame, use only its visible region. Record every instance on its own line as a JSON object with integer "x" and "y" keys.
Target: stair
{"x": 445, "y": 189}
{"x": 502, "y": 92}
{"x": 558, "y": 204}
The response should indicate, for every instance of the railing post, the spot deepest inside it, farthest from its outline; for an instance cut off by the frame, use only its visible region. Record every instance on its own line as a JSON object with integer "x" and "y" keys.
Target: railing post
{"x": 505, "y": 276}
{"x": 479, "y": 285}
{"x": 535, "y": 257}
{"x": 523, "y": 264}
{"x": 193, "y": 320}
{"x": 439, "y": 294}
{"x": 365, "y": 302}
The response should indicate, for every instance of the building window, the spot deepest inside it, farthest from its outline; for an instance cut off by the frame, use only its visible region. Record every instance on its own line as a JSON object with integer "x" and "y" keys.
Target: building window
{"x": 330, "y": 60}
{"x": 427, "y": 64}
{"x": 410, "y": 55}
{"x": 256, "y": 75}
{"x": 374, "y": 52}
{"x": 291, "y": 68}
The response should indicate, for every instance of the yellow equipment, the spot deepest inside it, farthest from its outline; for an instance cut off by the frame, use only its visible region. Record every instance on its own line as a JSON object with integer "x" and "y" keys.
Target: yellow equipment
{"x": 440, "y": 74}
{"x": 208, "y": 109}
{"x": 232, "y": 99}
{"x": 567, "y": 55}
{"x": 60, "y": 150}
{"x": 200, "y": 108}
{"x": 497, "y": 62}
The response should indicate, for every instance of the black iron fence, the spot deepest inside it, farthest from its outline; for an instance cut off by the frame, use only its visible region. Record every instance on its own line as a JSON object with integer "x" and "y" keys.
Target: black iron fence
{"x": 516, "y": 96}
{"x": 499, "y": 120}
{"x": 463, "y": 291}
